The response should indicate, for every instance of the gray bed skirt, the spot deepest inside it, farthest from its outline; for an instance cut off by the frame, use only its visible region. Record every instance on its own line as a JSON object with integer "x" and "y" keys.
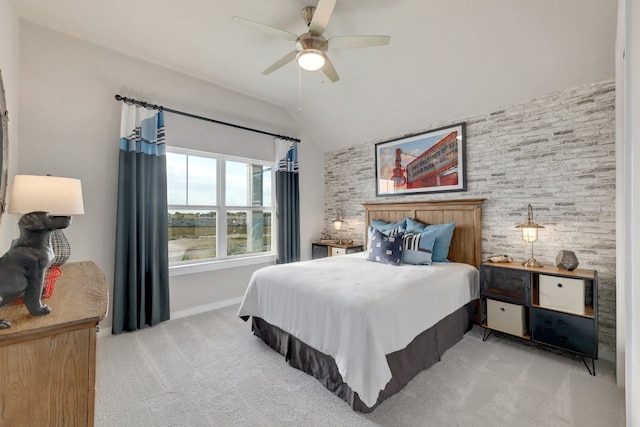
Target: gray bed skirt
{"x": 424, "y": 351}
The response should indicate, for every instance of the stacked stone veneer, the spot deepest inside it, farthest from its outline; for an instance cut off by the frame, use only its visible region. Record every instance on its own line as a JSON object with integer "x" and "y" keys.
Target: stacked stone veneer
{"x": 556, "y": 153}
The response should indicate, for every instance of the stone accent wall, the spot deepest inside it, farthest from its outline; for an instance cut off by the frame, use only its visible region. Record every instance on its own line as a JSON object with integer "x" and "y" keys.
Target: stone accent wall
{"x": 556, "y": 153}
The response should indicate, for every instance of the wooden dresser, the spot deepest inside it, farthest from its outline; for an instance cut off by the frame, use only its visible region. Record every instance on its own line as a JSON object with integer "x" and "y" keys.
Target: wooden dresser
{"x": 48, "y": 363}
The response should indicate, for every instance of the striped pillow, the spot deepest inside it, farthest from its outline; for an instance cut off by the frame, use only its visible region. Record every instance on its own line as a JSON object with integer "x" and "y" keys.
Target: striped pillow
{"x": 418, "y": 247}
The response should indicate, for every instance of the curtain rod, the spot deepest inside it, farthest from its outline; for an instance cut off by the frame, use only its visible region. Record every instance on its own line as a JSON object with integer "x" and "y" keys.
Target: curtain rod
{"x": 193, "y": 116}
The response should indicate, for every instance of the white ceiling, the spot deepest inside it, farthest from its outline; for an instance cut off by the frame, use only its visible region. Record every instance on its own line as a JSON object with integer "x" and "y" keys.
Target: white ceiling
{"x": 447, "y": 59}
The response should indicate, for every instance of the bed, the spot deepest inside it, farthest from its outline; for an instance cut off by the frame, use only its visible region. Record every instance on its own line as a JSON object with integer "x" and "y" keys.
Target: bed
{"x": 360, "y": 327}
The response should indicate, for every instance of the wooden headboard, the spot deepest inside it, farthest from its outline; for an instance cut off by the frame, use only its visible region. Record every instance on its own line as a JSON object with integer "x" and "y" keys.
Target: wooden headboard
{"x": 466, "y": 245}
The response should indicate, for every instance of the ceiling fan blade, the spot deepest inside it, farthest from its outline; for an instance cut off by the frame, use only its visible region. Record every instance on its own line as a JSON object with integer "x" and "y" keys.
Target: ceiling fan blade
{"x": 280, "y": 62}
{"x": 329, "y": 71}
{"x": 346, "y": 42}
{"x": 321, "y": 16}
{"x": 273, "y": 31}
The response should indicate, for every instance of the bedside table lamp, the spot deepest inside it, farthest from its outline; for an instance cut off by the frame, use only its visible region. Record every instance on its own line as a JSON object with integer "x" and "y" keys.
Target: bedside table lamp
{"x": 337, "y": 224}
{"x": 56, "y": 195}
{"x": 530, "y": 235}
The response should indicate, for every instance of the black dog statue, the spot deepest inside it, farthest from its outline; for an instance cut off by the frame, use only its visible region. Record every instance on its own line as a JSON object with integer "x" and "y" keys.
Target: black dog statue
{"x": 23, "y": 267}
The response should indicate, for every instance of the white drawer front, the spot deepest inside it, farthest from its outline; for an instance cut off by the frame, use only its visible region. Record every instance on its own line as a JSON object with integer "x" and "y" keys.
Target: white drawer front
{"x": 506, "y": 317}
{"x": 338, "y": 251}
{"x": 562, "y": 293}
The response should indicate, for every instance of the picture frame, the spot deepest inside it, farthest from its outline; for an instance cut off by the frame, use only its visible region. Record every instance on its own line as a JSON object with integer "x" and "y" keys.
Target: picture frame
{"x": 427, "y": 162}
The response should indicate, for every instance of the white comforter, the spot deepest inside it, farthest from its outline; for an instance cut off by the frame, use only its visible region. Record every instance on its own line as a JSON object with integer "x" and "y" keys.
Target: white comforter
{"x": 358, "y": 311}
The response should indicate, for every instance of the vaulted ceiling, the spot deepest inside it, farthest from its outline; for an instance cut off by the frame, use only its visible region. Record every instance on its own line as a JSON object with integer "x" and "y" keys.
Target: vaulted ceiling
{"x": 447, "y": 59}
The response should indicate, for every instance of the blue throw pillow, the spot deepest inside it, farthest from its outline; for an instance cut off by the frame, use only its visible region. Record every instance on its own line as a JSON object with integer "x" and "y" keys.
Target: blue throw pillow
{"x": 385, "y": 249}
{"x": 418, "y": 247}
{"x": 414, "y": 226}
{"x": 444, "y": 234}
{"x": 386, "y": 226}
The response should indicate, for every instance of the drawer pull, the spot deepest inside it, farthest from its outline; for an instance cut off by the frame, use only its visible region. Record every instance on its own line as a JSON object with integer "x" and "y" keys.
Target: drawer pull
{"x": 559, "y": 285}
{"x": 502, "y": 309}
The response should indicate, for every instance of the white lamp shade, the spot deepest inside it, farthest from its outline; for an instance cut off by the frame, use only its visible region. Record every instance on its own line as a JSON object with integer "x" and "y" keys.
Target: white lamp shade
{"x": 311, "y": 59}
{"x": 56, "y": 195}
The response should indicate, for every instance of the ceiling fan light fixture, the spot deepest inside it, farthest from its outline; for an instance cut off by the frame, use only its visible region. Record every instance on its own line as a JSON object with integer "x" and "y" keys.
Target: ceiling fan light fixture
{"x": 311, "y": 59}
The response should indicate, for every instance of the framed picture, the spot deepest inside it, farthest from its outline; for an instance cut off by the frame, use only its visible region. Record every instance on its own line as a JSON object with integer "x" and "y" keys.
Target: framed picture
{"x": 427, "y": 162}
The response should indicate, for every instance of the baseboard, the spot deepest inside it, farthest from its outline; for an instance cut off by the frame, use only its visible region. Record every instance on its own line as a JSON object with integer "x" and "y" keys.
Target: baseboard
{"x": 204, "y": 308}
{"x": 607, "y": 355}
{"x": 103, "y": 331}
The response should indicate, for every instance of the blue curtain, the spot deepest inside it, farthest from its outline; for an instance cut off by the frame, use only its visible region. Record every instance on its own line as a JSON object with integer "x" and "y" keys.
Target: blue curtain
{"x": 288, "y": 203}
{"x": 141, "y": 276}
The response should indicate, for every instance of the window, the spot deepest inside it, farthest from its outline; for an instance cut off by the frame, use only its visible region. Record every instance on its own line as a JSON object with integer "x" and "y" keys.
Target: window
{"x": 220, "y": 207}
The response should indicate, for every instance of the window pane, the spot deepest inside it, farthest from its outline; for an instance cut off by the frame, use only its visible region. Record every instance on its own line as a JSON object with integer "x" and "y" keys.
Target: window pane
{"x": 248, "y": 232}
{"x": 247, "y": 184}
{"x": 202, "y": 181}
{"x": 192, "y": 235}
{"x": 236, "y": 184}
{"x": 176, "y": 179}
{"x": 266, "y": 185}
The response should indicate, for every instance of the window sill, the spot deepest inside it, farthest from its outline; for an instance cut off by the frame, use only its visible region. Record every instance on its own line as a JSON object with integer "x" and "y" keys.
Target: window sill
{"x": 201, "y": 267}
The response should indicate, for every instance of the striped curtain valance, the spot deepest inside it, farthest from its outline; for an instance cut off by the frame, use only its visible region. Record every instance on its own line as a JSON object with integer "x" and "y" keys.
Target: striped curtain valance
{"x": 142, "y": 131}
{"x": 288, "y": 161}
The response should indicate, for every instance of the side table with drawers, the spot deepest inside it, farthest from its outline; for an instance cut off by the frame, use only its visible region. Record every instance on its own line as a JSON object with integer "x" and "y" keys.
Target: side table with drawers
{"x": 545, "y": 305}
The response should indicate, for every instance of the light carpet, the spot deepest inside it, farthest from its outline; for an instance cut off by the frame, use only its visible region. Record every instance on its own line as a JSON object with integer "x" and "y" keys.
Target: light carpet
{"x": 209, "y": 370}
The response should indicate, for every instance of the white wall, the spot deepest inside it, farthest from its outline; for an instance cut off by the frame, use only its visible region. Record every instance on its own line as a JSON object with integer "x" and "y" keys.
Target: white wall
{"x": 9, "y": 32}
{"x": 628, "y": 206}
{"x": 71, "y": 124}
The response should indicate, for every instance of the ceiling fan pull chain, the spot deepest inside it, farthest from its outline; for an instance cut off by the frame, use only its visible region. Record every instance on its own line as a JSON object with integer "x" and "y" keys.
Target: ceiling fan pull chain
{"x": 299, "y": 89}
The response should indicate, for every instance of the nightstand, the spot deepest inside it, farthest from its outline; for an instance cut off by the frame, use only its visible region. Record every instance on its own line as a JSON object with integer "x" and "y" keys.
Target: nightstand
{"x": 323, "y": 250}
{"x": 546, "y": 305}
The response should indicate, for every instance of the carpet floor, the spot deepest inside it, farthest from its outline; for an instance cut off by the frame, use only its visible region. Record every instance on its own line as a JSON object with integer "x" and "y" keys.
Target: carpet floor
{"x": 209, "y": 370}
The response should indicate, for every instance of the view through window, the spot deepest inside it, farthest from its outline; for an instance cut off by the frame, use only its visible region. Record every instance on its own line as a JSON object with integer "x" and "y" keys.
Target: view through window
{"x": 219, "y": 206}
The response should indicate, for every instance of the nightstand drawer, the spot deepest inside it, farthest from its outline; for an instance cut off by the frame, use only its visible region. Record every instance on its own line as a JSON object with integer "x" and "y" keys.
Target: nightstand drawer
{"x": 564, "y": 331}
{"x": 338, "y": 251}
{"x": 562, "y": 293}
{"x": 319, "y": 251}
{"x": 505, "y": 284}
{"x": 505, "y": 317}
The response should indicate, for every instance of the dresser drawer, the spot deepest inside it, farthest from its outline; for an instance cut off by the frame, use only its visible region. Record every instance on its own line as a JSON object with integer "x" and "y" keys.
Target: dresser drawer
{"x": 562, "y": 293}
{"x": 574, "y": 333}
{"x": 505, "y": 317}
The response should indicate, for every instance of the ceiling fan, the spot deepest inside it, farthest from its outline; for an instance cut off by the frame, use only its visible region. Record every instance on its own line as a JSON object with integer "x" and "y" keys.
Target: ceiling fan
{"x": 311, "y": 47}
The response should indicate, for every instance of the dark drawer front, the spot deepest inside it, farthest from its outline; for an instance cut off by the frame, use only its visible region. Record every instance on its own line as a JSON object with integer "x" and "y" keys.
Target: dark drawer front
{"x": 319, "y": 251}
{"x": 355, "y": 249}
{"x": 505, "y": 284}
{"x": 573, "y": 333}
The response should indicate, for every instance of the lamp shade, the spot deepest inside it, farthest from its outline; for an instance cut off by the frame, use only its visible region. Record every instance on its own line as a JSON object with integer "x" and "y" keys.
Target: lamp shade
{"x": 529, "y": 229}
{"x": 56, "y": 195}
{"x": 529, "y": 234}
